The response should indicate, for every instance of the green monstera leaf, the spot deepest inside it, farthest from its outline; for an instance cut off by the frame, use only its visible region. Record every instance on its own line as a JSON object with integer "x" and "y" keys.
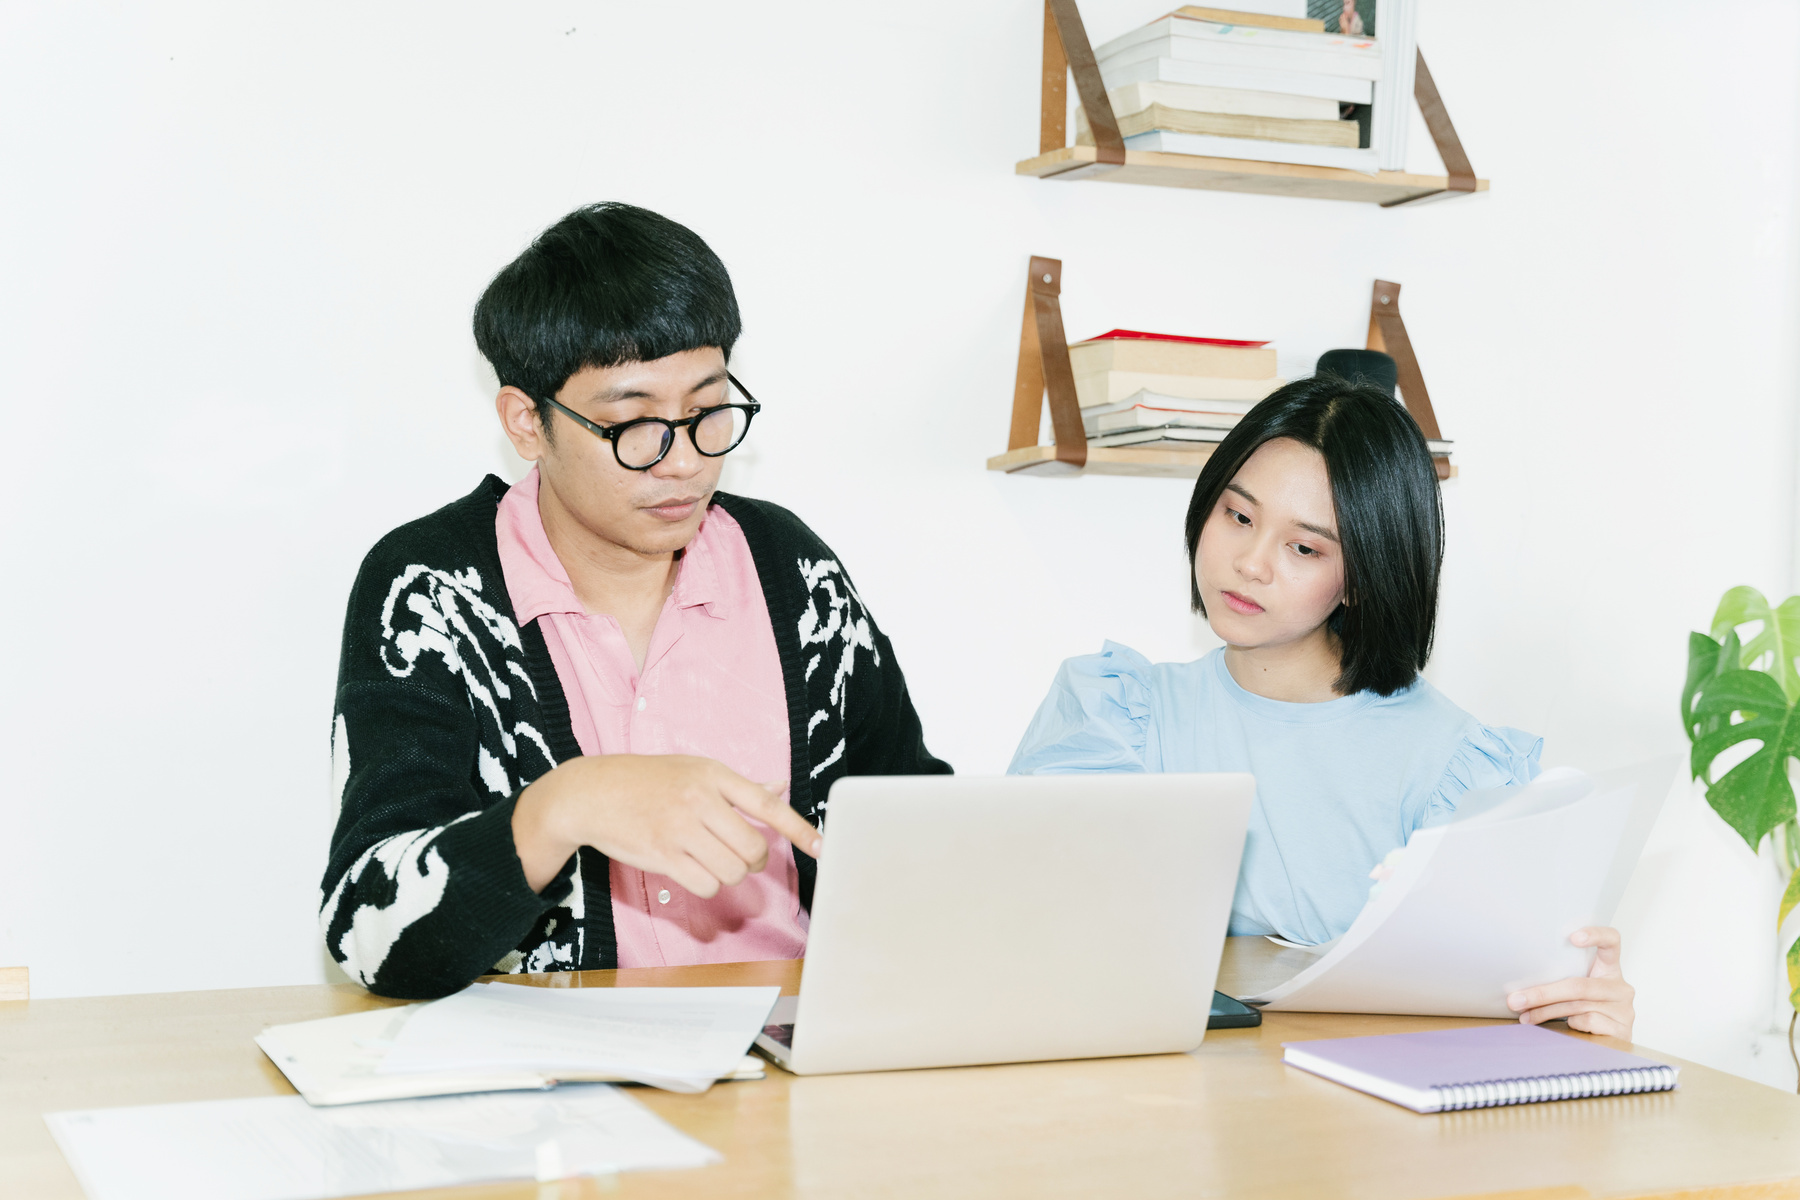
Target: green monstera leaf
{"x": 1779, "y": 637}
{"x": 1754, "y": 797}
{"x": 1706, "y": 660}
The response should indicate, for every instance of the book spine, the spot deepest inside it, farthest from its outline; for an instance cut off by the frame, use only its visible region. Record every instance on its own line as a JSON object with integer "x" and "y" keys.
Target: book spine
{"x": 1216, "y": 29}
{"x": 1554, "y": 1087}
{"x": 1207, "y": 145}
{"x": 1248, "y": 55}
{"x": 1152, "y": 69}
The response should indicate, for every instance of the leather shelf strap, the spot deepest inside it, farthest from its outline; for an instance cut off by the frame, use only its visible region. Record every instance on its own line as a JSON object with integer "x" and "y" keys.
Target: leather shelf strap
{"x": 1387, "y": 333}
{"x": 1066, "y": 45}
{"x": 1044, "y": 369}
{"x": 1443, "y": 135}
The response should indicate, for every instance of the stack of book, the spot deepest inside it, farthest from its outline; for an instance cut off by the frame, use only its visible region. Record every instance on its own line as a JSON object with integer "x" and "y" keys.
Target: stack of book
{"x": 1276, "y": 88}
{"x": 1160, "y": 391}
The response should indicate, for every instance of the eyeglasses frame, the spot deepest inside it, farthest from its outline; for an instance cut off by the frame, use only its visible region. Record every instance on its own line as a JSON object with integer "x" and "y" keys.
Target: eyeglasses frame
{"x": 611, "y": 433}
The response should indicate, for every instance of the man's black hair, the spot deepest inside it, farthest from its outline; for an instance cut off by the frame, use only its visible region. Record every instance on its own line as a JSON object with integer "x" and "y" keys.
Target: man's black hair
{"x": 608, "y": 284}
{"x": 1390, "y": 519}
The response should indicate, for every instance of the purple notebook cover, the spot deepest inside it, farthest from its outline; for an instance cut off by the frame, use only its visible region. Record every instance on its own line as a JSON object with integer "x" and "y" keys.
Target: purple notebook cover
{"x": 1482, "y": 1054}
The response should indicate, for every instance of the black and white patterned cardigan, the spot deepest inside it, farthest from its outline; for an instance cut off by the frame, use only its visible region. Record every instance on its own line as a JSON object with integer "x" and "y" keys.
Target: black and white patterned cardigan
{"x": 447, "y": 709}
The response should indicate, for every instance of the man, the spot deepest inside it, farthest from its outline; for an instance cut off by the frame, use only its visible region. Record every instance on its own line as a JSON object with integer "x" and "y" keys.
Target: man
{"x": 592, "y": 720}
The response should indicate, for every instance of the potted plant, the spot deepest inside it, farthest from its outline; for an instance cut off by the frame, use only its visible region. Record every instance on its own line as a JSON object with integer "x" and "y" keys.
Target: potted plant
{"x": 1749, "y": 691}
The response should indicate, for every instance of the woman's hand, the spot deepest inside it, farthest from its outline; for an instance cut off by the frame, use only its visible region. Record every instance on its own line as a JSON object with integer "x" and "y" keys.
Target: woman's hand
{"x": 1598, "y": 1002}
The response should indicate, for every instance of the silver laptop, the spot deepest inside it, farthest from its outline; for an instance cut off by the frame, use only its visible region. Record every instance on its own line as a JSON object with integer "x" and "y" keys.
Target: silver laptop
{"x": 962, "y": 920}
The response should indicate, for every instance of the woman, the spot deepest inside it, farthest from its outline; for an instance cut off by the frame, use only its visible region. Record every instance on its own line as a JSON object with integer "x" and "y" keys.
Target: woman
{"x": 1316, "y": 537}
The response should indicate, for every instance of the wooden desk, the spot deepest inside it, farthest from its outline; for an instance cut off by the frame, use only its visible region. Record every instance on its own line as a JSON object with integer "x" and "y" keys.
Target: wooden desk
{"x": 1228, "y": 1120}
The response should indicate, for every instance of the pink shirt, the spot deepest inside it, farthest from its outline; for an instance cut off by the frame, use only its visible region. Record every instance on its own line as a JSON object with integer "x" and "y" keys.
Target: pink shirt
{"x": 711, "y": 686}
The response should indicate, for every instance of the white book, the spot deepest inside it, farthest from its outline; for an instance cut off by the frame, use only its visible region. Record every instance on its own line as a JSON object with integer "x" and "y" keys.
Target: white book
{"x": 1356, "y": 56}
{"x": 1235, "y": 102}
{"x": 1391, "y": 118}
{"x": 1345, "y": 57}
{"x": 1141, "y": 417}
{"x": 1154, "y": 69}
{"x": 1145, "y": 398}
{"x": 1098, "y": 388}
{"x": 1269, "y": 8}
{"x": 1367, "y": 161}
{"x": 1164, "y": 438}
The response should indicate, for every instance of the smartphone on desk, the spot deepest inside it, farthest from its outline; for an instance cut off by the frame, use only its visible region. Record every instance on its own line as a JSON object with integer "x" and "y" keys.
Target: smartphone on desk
{"x": 1228, "y": 1013}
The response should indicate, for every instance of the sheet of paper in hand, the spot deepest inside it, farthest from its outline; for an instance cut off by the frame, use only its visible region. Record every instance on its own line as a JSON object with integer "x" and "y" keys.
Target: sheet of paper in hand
{"x": 1484, "y": 905}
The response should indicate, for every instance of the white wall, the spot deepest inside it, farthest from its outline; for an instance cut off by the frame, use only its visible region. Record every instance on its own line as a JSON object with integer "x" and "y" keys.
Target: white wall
{"x": 241, "y": 244}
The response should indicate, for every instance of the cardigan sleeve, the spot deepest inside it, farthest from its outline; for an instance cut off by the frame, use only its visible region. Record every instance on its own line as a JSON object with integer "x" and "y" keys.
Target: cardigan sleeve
{"x": 855, "y": 686}
{"x": 886, "y": 736}
{"x": 424, "y": 890}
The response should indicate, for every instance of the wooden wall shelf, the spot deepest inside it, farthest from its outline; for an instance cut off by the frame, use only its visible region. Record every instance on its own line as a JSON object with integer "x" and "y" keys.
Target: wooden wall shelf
{"x": 1067, "y": 52}
{"x": 1387, "y": 188}
{"x": 1046, "y": 376}
{"x": 1042, "y": 463}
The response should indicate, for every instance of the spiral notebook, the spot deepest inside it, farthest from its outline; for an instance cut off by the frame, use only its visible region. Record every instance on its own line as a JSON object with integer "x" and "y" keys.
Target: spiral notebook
{"x": 1448, "y": 1069}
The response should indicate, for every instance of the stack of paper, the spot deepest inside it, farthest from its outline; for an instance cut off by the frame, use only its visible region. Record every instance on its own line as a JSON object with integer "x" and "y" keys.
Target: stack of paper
{"x": 681, "y": 1039}
{"x": 503, "y": 1037}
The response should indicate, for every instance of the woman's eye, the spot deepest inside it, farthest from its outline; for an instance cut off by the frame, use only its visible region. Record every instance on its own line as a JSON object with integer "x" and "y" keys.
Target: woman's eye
{"x": 1305, "y": 551}
{"x": 1237, "y": 516}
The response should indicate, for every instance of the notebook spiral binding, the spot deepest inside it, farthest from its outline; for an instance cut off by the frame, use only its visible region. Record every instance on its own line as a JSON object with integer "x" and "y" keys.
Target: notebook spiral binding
{"x": 1554, "y": 1087}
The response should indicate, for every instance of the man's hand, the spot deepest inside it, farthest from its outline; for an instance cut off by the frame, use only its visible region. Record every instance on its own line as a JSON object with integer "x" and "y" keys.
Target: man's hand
{"x": 667, "y": 814}
{"x": 1598, "y": 1002}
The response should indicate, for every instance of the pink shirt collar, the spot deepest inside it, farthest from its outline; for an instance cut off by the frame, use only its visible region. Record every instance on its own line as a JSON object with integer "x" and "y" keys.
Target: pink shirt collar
{"x": 539, "y": 584}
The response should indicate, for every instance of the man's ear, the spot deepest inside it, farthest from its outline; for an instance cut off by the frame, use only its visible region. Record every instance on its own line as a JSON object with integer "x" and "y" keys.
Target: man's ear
{"x": 518, "y": 417}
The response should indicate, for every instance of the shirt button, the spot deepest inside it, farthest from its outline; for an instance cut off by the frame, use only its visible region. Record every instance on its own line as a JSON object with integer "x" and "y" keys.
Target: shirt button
{"x": 642, "y": 704}
{"x": 662, "y": 897}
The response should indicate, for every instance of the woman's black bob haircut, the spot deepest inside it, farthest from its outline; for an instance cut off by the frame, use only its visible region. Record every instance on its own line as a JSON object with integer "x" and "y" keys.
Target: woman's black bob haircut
{"x": 607, "y": 284}
{"x": 1390, "y": 519}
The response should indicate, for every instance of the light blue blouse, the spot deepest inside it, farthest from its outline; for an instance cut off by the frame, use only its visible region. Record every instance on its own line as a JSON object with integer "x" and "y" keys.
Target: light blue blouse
{"x": 1338, "y": 784}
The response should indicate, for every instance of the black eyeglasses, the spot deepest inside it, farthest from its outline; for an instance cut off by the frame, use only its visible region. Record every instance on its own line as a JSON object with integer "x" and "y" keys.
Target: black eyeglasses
{"x": 642, "y": 443}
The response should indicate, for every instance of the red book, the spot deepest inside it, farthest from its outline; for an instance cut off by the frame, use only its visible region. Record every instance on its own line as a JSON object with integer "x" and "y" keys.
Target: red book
{"x": 1139, "y": 335}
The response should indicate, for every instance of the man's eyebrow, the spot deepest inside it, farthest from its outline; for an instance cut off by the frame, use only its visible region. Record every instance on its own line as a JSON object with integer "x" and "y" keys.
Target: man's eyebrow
{"x": 1318, "y": 529}
{"x": 621, "y": 392}
{"x": 628, "y": 392}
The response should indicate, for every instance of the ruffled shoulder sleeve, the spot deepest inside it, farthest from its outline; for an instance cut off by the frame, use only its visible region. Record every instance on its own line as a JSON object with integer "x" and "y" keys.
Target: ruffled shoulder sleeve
{"x": 1096, "y": 718}
{"x": 1488, "y": 756}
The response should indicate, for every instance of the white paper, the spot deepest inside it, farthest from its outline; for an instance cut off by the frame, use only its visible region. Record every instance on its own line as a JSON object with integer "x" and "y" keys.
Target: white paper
{"x": 681, "y": 1039}
{"x": 335, "y": 1060}
{"x": 1481, "y": 907}
{"x": 279, "y": 1148}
